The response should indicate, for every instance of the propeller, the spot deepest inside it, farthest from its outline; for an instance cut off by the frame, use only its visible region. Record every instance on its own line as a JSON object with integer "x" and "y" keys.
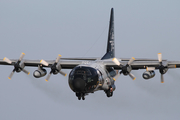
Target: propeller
{"x": 55, "y": 68}
{"x": 162, "y": 68}
{"x": 126, "y": 69}
{"x": 17, "y": 66}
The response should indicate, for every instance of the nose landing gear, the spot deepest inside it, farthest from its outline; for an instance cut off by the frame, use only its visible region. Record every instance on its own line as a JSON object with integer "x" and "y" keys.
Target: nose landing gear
{"x": 80, "y": 95}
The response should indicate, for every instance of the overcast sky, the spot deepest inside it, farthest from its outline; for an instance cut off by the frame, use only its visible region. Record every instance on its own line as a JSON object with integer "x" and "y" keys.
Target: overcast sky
{"x": 42, "y": 29}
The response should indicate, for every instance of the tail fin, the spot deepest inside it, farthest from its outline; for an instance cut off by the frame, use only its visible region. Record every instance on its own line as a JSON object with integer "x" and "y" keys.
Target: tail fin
{"x": 110, "y": 53}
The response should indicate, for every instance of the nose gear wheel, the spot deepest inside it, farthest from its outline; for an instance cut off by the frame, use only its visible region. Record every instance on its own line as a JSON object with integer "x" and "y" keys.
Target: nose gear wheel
{"x": 80, "y": 95}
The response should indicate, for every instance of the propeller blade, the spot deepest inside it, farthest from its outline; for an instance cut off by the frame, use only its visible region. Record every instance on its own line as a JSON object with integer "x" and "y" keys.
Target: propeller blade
{"x": 131, "y": 61}
{"x": 49, "y": 75}
{"x": 162, "y": 78}
{"x": 25, "y": 71}
{"x": 58, "y": 58}
{"x": 116, "y": 61}
{"x": 62, "y": 73}
{"x": 132, "y": 76}
{"x": 7, "y": 60}
{"x": 12, "y": 73}
{"x": 160, "y": 57}
{"x": 21, "y": 57}
{"x": 44, "y": 62}
{"x": 171, "y": 66}
{"x": 150, "y": 68}
{"x": 116, "y": 76}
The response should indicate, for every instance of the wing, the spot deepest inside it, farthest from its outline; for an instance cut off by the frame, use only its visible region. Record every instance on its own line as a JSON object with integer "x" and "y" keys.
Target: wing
{"x": 65, "y": 64}
{"x": 40, "y": 72}
{"x": 142, "y": 64}
{"x": 149, "y": 65}
{"x": 82, "y": 58}
{"x": 55, "y": 65}
{"x": 139, "y": 59}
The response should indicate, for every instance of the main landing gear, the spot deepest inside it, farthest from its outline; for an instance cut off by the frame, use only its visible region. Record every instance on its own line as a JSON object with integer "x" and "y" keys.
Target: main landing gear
{"x": 109, "y": 92}
{"x": 80, "y": 95}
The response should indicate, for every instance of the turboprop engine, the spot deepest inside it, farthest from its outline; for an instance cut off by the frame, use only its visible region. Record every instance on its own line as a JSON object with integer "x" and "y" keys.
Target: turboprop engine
{"x": 39, "y": 73}
{"x": 148, "y": 74}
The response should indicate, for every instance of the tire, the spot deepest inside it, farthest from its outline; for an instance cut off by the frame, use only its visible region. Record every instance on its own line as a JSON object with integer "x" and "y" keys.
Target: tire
{"x": 109, "y": 94}
{"x": 79, "y": 98}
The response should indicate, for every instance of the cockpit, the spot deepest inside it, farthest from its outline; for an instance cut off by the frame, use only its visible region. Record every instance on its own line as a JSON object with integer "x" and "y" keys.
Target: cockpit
{"x": 83, "y": 79}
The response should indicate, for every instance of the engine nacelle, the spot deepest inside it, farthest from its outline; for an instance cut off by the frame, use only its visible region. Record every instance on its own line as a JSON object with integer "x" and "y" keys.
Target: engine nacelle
{"x": 39, "y": 73}
{"x": 148, "y": 74}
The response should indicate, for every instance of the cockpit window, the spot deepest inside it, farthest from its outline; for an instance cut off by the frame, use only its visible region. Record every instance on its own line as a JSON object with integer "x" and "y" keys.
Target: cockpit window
{"x": 82, "y": 72}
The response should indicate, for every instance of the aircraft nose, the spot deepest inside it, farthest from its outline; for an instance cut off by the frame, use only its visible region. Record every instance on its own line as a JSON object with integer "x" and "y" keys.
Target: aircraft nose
{"x": 79, "y": 84}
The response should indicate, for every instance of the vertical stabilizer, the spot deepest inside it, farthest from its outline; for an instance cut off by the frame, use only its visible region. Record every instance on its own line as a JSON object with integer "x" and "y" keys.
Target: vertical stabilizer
{"x": 110, "y": 53}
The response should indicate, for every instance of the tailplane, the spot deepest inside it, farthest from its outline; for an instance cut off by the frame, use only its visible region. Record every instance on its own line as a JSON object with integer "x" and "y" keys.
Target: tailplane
{"x": 110, "y": 53}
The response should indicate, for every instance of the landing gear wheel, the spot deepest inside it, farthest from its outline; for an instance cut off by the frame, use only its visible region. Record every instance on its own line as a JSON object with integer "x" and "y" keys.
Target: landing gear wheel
{"x": 109, "y": 94}
{"x": 80, "y": 95}
{"x": 83, "y": 98}
{"x": 79, "y": 98}
{"x": 77, "y": 94}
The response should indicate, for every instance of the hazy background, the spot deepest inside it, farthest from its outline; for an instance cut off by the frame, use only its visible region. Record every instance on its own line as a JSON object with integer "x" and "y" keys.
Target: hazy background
{"x": 42, "y": 29}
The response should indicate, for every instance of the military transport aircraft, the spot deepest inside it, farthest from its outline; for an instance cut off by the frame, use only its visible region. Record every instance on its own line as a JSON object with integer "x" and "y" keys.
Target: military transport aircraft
{"x": 92, "y": 74}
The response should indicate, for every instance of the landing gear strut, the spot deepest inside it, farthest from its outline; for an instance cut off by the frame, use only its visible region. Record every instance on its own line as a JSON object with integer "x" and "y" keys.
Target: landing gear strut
{"x": 80, "y": 95}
